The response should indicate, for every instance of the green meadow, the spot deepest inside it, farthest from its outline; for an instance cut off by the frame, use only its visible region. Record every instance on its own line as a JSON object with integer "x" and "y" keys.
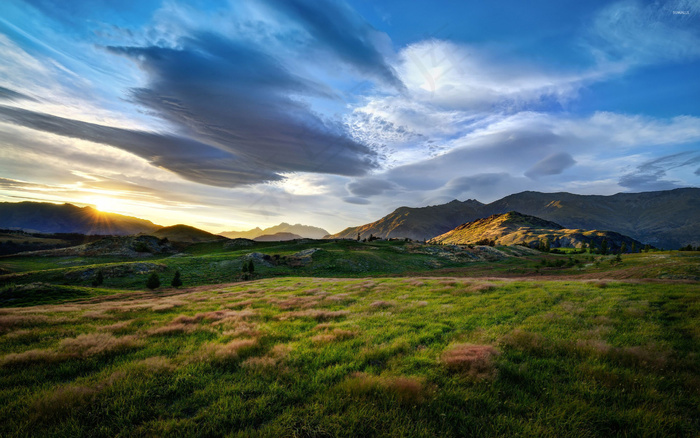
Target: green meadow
{"x": 359, "y": 342}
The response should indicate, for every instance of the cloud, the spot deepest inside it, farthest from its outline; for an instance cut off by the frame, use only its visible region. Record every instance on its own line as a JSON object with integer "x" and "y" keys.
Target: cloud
{"x": 366, "y": 187}
{"x": 188, "y": 158}
{"x": 356, "y": 200}
{"x": 7, "y": 94}
{"x": 552, "y": 165}
{"x": 241, "y": 101}
{"x": 632, "y": 33}
{"x": 652, "y": 175}
{"x": 339, "y": 29}
{"x": 469, "y": 77}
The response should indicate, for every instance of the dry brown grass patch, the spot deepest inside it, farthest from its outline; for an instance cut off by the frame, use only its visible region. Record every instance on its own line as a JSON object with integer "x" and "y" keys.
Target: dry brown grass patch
{"x": 96, "y": 314}
{"x": 295, "y": 302}
{"x": 414, "y": 282}
{"x": 243, "y": 328}
{"x": 117, "y": 326}
{"x": 319, "y": 315}
{"x": 408, "y": 390}
{"x": 333, "y": 336}
{"x": 10, "y": 321}
{"x": 239, "y": 304}
{"x": 97, "y": 343}
{"x": 272, "y": 361}
{"x": 479, "y": 288}
{"x": 473, "y": 360}
{"x": 339, "y": 297}
{"x": 155, "y": 364}
{"x": 63, "y": 401}
{"x": 382, "y": 304}
{"x": 229, "y": 351}
{"x": 173, "y": 328}
{"x": 524, "y": 340}
{"x": 32, "y": 357}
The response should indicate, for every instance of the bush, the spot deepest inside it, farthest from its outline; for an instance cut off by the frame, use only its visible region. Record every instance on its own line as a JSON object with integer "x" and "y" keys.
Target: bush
{"x": 153, "y": 281}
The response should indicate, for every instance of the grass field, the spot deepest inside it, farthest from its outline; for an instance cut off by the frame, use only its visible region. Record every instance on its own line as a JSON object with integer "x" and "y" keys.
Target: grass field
{"x": 503, "y": 348}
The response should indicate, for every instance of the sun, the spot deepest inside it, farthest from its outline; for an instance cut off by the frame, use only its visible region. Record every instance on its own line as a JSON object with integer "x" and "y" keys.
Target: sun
{"x": 105, "y": 204}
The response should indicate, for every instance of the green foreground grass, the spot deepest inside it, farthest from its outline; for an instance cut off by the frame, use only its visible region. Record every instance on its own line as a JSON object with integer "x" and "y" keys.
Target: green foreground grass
{"x": 419, "y": 356}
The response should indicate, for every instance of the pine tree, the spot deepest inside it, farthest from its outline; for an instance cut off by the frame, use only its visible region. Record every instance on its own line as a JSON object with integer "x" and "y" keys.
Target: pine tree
{"x": 99, "y": 279}
{"x": 623, "y": 248}
{"x": 244, "y": 270}
{"x": 153, "y": 281}
{"x": 251, "y": 267}
{"x": 177, "y": 282}
{"x": 634, "y": 247}
{"x": 604, "y": 247}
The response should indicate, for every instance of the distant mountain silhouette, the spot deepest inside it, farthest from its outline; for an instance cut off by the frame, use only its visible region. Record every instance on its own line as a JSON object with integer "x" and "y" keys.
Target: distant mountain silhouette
{"x": 67, "y": 218}
{"x": 277, "y": 237}
{"x": 513, "y": 228}
{"x": 301, "y": 230}
{"x": 665, "y": 219}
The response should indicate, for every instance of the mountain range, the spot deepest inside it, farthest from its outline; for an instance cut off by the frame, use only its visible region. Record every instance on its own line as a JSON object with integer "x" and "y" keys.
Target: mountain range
{"x": 45, "y": 217}
{"x": 665, "y": 219}
{"x": 306, "y": 231}
{"x": 513, "y": 228}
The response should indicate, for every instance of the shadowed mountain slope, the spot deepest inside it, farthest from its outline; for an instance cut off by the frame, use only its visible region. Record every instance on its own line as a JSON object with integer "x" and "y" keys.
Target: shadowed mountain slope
{"x": 665, "y": 219}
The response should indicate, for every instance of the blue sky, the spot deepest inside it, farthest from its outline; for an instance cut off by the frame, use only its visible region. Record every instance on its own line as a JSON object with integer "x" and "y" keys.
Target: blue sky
{"x": 234, "y": 114}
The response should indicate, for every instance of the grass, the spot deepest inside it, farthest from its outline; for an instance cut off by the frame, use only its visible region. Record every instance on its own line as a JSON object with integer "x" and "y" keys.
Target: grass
{"x": 413, "y": 356}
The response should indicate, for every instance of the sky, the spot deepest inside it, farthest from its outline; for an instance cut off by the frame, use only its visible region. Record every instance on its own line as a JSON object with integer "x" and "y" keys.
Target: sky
{"x": 227, "y": 115}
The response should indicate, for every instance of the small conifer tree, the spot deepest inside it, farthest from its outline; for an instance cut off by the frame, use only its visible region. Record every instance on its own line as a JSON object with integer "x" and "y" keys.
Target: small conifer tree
{"x": 153, "y": 281}
{"x": 99, "y": 279}
{"x": 251, "y": 267}
{"x": 177, "y": 281}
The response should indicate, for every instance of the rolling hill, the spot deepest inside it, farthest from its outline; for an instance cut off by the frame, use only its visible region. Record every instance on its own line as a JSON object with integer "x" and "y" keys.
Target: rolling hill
{"x": 45, "y": 217}
{"x": 186, "y": 234}
{"x": 665, "y": 219}
{"x": 513, "y": 228}
{"x": 306, "y": 231}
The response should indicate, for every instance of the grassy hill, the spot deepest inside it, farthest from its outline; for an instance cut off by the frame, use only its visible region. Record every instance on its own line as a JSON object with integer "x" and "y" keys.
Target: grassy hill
{"x": 513, "y": 228}
{"x": 665, "y": 219}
